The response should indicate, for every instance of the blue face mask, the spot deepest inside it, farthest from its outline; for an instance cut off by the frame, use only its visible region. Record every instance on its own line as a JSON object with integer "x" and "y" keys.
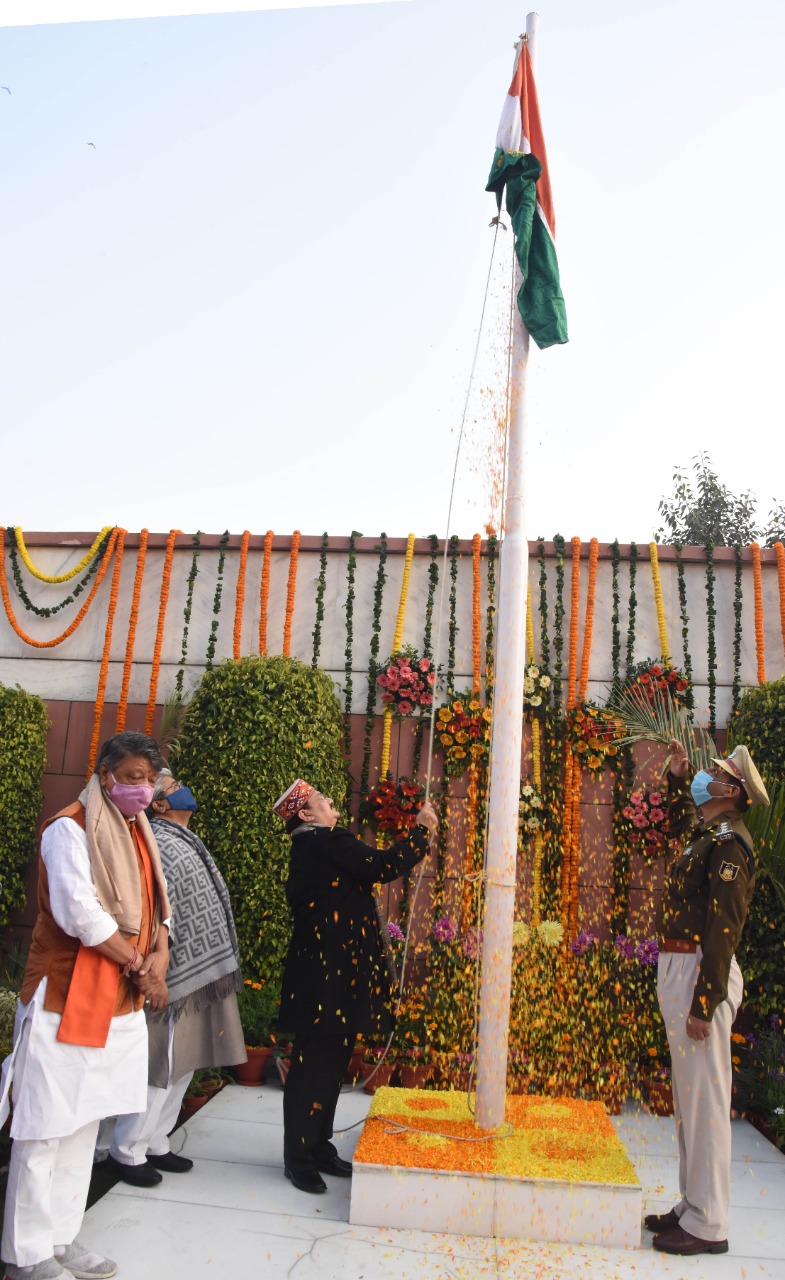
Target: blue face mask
{"x": 182, "y": 798}
{"x": 699, "y": 788}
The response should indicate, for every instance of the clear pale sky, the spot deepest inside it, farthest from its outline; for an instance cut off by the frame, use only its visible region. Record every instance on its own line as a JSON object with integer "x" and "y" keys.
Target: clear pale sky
{"x": 254, "y": 301}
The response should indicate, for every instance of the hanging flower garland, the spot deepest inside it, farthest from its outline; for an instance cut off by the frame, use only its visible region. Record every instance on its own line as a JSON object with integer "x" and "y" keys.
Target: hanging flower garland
{"x": 463, "y": 733}
{"x": 321, "y": 587}
{"x": 476, "y": 615}
{"x": 219, "y": 586}
{"x": 452, "y": 631}
{"x": 122, "y": 706}
{"x": 633, "y": 604}
{"x": 657, "y": 584}
{"x": 60, "y": 577}
{"x": 376, "y": 626}
{"x": 779, "y": 552}
{"x": 264, "y": 590}
{"x": 545, "y": 651}
{"x": 69, "y": 599}
{"x": 531, "y": 810}
{"x": 572, "y": 774}
{"x": 433, "y": 581}
{"x": 394, "y": 805}
{"x": 737, "y": 606}
{"x": 760, "y": 640}
{"x": 537, "y": 690}
{"x": 588, "y": 626}
{"x": 615, "y": 614}
{"x": 291, "y": 587}
{"x": 397, "y": 641}
{"x": 239, "y": 599}
{"x": 591, "y": 733}
{"x": 649, "y": 675}
{"x": 711, "y": 618}
{"x": 104, "y": 668}
{"x": 685, "y": 624}
{"x": 69, "y": 631}
{"x": 490, "y": 615}
{"x": 159, "y": 634}
{"x": 187, "y": 610}
{"x": 351, "y": 570}
{"x": 558, "y": 616}
{"x": 646, "y": 813}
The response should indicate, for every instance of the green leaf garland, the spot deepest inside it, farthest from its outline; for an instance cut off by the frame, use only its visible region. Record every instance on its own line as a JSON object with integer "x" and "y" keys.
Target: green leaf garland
{"x": 351, "y": 570}
{"x": 213, "y": 640}
{"x": 558, "y": 619}
{"x": 685, "y": 623}
{"x": 376, "y": 626}
{"x": 711, "y": 617}
{"x": 737, "y": 604}
{"x": 187, "y": 608}
{"x": 69, "y": 599}
{"x": 320, "y": 589}
{"x": 632, "y": 609}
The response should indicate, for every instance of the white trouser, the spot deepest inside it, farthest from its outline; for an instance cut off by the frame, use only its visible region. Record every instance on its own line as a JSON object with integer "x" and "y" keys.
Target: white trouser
{"x": 136, "y": 1137}
{"x": 701, "y": 1095}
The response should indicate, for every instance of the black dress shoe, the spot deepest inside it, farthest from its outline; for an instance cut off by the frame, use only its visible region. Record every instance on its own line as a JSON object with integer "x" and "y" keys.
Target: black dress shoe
{"x": 307, "y": 1180}
{"x": 335, "y": 1165}
{"x": 661, "y": 1221}
{"x": 677, "y": 1240}
{"x": 139, "y": 1175}
{"x": 171, "y": 1163}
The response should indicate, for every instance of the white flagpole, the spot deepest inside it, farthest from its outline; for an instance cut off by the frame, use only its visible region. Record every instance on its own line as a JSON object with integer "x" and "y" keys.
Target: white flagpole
{"x": 505, "y": 764}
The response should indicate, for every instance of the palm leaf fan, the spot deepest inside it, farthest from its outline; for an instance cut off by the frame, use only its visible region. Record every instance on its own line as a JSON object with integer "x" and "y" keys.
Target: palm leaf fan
{"x": 648, "y": 715}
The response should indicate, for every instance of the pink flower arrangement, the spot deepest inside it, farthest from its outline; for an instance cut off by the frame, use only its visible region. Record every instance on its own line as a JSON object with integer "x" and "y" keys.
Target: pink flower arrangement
{"x": 407, "y": 682}
{"x": 648, "y": 817}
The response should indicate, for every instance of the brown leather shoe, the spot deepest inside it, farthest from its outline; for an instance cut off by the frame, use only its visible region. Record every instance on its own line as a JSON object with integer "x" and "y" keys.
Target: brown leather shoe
{"x": 677, "y": 1240}
{"x": 661, "y": 1221}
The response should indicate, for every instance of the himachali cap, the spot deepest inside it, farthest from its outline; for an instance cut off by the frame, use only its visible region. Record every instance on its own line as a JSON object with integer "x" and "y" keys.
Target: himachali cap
{"x": 293, "y": 799}
{"x": 739, "y": 765}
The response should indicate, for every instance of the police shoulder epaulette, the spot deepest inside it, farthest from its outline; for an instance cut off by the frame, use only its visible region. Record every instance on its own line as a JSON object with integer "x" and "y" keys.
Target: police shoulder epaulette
{"x": 724, "y": 832}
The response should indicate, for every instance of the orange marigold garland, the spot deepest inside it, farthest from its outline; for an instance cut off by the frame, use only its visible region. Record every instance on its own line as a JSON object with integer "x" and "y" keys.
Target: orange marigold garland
{"x": 264, "y": 590}
{"x": 571, "y": 792}
{"x": 122, "y": 706}
{"x": 69, "y": 631}
{"x": 779, "y": 551}
{"x": 760, "y": 641}
{"x": 575, "y": 603}
{"x": 102, "y": 675}
{"x": 240, "y": 595}
{"x": 291, "y": 587}
{"x": 589, "y": 624}
{"x": 159, "y": 635}
{"x": 476, "y": 615}
{"x": 473, "y": 792}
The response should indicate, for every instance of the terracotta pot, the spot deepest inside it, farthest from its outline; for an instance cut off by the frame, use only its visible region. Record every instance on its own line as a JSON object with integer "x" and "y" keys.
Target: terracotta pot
{"x": 613, "y": 1094}
{"x": 659, "y": 1097}
{"x": 384, "y": 1076}
{"x": 191, "y": 1105}
{"x": 251, "y": 1073}
{"x": 355, "y": 1068}
{"x": 414, "y": 1075}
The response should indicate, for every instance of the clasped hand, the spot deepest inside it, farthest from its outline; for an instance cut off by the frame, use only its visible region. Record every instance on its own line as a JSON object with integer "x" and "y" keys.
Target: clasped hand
{"x": 150, "y": 979}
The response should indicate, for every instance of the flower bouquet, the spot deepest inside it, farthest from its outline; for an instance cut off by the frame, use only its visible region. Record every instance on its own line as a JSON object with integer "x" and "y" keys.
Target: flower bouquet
{"x": 662, "y": 675}
{"x": 537, "y": 688}
{"x": 463, "y": 733}
{"x": 531, "y": 810}
{"x": 393, "y": 806}
{"x": 407, "y": 682}
{"x": 648, "y": 819}
{"x": 593, "y": 732}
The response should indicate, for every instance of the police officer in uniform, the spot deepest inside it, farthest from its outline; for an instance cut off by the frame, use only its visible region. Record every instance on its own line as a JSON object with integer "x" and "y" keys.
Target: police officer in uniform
{"x": 699, "y": 985}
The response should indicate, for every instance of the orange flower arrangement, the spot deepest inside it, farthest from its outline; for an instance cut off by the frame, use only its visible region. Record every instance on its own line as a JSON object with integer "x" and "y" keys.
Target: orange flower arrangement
{"x": 290, "y": 590}
{"x": 760, "y": 642}
{"x": 575, "y": 600}
{"x": 240, "y": 595}
{"x": 264, "y": 590}
{"x": 69, "y": 631}
{"x": 589, "y": 624}
{"x": 779, "y": 551}
{"x": 159, "y": 635}
{"x": 102, "y": 674}
{"x": 122, "y": 706}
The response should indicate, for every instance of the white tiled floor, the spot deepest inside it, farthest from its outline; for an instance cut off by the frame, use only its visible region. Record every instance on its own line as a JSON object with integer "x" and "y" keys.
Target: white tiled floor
{"x": 235, "y": 1214}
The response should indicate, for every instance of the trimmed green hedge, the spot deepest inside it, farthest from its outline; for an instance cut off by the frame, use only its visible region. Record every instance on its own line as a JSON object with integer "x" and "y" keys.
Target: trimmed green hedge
{"x": 251, "y": 728}
{"x": 23, "y": 726}
{"x": 760, "y": 725}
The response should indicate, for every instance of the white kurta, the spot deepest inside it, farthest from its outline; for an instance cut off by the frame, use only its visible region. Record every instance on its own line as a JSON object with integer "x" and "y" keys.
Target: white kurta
{"x": 63, "y": 1087}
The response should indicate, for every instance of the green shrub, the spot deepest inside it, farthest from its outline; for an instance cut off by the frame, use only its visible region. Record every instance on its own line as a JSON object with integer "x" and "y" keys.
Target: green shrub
{"x": 760, "y": 725}
{"x": 23, "y": 726}
{"x": 251, "y": 728}
{"x": 7, "y": 1015}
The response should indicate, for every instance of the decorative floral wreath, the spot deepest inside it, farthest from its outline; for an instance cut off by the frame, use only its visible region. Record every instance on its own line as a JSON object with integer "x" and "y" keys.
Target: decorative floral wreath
{"x": 531, "y": 810}
{"x": 647, "y": 817}
{"x": 463, "y": 733}
{"x": 537, "y": 690}
{"x": 407, "y": 681}
{"x": 662, "y": 675}
{"x": 393, "y": 806}
{"x": 593, "y": 732}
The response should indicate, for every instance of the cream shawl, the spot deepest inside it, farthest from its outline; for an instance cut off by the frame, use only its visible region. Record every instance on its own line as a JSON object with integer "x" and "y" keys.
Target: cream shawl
{"x": 113, "y": 862}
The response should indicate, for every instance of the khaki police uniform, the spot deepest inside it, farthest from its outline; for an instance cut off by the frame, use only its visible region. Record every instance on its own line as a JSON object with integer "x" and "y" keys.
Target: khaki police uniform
{"x": 699, "y": 922}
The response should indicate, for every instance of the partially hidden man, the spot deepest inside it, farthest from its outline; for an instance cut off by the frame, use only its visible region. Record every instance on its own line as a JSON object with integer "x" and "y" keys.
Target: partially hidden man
{"x": 99, "y": 950}
{"x": 699, "y": 984}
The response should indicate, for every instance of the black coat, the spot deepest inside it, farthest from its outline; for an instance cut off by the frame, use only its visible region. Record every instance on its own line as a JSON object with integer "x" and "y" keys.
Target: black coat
{"x": 336, "y": 978}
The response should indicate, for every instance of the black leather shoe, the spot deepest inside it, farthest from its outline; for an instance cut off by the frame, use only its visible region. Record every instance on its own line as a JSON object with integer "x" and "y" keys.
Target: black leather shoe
{"x": 139, "y": 1175}
{"x": 661, "y": 1221}
{"x": 308, "y": 1180}
{"x": 171, "y": 1163}
{"x": 335, "y": 1165}
{"x": 677, "y": 1240}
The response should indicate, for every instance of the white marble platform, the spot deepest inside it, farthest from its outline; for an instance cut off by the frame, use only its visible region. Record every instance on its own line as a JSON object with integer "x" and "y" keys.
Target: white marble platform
{"x": 235, "y": 1214}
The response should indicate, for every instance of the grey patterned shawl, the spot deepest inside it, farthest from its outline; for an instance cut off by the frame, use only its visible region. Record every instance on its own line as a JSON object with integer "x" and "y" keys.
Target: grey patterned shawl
{"x": 204, "y": 957}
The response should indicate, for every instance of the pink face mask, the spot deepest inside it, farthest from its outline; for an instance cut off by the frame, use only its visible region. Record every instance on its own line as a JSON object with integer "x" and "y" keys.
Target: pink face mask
{"x": 130, "y": 799}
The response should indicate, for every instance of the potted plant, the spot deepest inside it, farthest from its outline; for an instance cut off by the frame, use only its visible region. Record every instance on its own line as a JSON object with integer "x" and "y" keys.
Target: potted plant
{"x": 258, "y": 1004}
{"x": 195, "y": 1096}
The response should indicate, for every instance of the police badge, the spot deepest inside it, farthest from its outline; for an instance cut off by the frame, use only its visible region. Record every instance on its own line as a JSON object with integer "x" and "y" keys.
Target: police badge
{"x": 728, "y": 871}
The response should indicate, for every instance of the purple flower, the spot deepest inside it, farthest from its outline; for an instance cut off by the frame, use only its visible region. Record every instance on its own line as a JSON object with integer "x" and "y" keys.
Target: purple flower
{"x": 647, "y": 952}
{"x": 774, "y": 1022}
{"x": 625, "y": 945}
{"x": 444, "y": 930}
{"x": 583, "y": 943}
{"x": 394, "y": 931}
{"x": 472, "y": 942}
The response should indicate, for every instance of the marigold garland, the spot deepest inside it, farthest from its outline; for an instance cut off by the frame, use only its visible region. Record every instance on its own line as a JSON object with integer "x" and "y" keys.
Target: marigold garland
{"x": 104, "y": 669}
{"x": 397, "y": 641}
{"x": 60, "y": 577}
{"x": 69, "y": 631}
{"x": 48, "y": 611}
{"x": 539, "y": 842}
{"x": 239, "y": 599}
{"x": 779, "y": 551}
{"x": 588, "y": 627}
{"x": 264, "y": 590}
{"x": 122, "y": 706}
{"x": 159, "y": 635}
{"x": 291, "y": 587}
{"x": 760, "y": 640}
{"x": 657, "y": 584}
{"x": 575, "y": 599}
{"x": 476, "y": 616}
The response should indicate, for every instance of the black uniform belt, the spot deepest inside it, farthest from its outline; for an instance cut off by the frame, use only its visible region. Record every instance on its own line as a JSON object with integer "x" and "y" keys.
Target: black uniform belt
{"x": 682, "y": 946}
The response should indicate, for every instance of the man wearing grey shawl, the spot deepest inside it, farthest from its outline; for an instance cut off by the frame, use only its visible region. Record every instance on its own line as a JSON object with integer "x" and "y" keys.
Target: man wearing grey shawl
{"x": 201, "y": 1025}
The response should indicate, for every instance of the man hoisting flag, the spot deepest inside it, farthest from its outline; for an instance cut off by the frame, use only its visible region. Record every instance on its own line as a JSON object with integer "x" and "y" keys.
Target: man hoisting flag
{"x": 521, "y": 165}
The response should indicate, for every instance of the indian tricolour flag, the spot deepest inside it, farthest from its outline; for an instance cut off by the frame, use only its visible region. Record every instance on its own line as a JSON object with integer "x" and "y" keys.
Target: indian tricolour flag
{"x": 520, "y": 166}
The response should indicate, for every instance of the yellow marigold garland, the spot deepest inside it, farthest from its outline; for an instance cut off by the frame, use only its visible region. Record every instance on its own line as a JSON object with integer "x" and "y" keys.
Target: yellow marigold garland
{"x": 290, "y": 590}
{"x": 536, "y": 773}
{"x": 240, "y": 595}
{"x": 571, "y": 792}
{"x": 69, "y": 631}
{"x": 159, "y": 635}
{"x": 264, "y": 590}
{"x": 779, "y": 551}
{"x": 104, "y": 670}
{"x": 473, "y": 790}
{"x": 397, "y": 641}
{"x": 657, "y": 584}
{"x": 122, "y": 706}
{"x": 60, "y": 577}
{"x": 760, "y": 640}
{"x": 575, "y": 826}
